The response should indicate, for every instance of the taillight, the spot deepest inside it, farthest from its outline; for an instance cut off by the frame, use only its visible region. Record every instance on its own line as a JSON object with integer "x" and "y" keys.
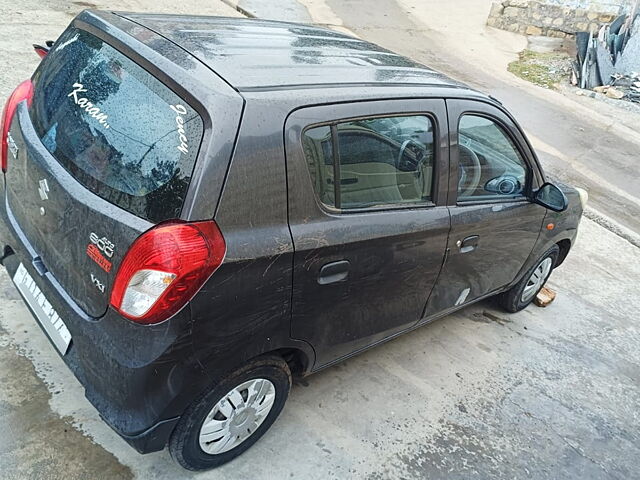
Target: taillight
{"x": 164, "y": 268}
{"x": 24, "y": 91}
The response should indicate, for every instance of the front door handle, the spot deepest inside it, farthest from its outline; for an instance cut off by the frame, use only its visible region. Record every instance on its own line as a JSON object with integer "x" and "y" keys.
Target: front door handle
{"x": 468, "y": 244}
{"x": 334, "y": 272}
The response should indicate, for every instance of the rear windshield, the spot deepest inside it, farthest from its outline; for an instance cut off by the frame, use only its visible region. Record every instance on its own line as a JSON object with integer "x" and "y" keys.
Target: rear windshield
{"x": 117, "y": 129}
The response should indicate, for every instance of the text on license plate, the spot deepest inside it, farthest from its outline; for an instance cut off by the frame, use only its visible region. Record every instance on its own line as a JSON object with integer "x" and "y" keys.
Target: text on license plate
{"x": 44, "y": 312}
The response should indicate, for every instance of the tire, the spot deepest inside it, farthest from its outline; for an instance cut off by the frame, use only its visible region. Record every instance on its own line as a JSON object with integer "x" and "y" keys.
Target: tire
{"x": 253, "y": 380}
{"x": 514, "y": 299}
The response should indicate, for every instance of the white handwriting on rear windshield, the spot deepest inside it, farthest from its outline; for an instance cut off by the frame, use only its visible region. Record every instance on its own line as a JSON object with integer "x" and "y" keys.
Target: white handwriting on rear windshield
{"x": 87, "y": 106}
{"x": 180, "y": 110}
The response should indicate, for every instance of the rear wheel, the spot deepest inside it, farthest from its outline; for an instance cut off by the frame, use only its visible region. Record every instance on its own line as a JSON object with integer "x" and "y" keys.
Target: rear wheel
{"x": 231, "y": 417}
{"x": 522, "y": 293}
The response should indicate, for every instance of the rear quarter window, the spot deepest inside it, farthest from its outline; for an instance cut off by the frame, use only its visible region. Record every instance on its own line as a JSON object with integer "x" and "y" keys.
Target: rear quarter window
{"x": 117, "y": 129}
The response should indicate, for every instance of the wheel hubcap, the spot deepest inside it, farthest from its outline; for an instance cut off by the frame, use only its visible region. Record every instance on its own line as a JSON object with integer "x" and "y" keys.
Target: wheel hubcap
{"x": 536, "y": 280}
{"x": 237, "y": 416}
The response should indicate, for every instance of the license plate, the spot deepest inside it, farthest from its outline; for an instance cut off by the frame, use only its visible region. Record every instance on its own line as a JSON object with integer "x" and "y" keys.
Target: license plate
{"x": 44, "y": 312}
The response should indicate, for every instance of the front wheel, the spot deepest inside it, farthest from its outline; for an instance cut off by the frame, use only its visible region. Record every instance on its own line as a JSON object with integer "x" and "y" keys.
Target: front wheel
{"x": 232, "y": 416}
{"x": 522, "y": 293}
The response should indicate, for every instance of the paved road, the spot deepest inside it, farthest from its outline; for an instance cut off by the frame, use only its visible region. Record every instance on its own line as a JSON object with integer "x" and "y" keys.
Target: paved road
{"x": 572, "y": 145}
{"x": 545, "y": 393}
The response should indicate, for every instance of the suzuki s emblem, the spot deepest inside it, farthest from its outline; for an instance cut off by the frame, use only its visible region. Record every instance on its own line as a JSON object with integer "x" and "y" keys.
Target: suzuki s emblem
{"x": 43, "y": 189}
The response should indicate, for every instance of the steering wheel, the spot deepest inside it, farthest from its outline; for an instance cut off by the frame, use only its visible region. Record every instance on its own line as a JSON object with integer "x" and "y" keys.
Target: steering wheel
{"x": 406, "y": 144}
{"x": 423, "y": 176}
{"x": 466, "y": 188}
{"x": 420, "y": 179}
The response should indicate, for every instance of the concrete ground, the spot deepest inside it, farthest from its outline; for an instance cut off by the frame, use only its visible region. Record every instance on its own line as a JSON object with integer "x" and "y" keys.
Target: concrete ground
{"x": 546, "y": 393}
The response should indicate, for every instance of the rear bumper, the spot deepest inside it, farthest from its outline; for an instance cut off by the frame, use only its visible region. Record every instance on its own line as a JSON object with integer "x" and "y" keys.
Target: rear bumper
{"x": 154, "y": 439}
{"x": 135, "y": 376}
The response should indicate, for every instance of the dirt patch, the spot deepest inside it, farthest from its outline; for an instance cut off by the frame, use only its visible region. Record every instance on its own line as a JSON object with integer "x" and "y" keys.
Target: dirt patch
{"x": 543, "y": 69}
{"x": 37, "y": 443}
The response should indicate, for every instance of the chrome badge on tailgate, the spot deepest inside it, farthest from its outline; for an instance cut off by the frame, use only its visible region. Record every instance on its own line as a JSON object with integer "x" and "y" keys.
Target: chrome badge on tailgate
{"x": 44, "y": 312}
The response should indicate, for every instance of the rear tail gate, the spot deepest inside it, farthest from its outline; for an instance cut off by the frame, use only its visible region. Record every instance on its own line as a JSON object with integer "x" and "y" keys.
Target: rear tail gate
{"x": 96, "y": 152}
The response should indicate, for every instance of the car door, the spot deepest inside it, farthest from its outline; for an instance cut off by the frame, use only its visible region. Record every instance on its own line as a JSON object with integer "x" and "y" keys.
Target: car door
{"x": 367, "y": 211}
{"x": 494, "y": 225}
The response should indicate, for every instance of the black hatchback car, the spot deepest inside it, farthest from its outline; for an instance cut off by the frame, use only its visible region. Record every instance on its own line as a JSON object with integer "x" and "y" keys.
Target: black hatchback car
{"x": 194, "y": 209}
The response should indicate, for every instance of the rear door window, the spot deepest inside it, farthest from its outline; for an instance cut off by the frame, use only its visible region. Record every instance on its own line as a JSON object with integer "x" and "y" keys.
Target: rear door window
{"x": 116, "y": 128}
{"x": 382, "y": 162}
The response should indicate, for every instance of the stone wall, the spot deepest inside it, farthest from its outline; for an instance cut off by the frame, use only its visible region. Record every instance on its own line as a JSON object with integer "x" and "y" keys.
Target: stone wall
{"x": 541, "y": 18}
{"x": 604, "y": 6}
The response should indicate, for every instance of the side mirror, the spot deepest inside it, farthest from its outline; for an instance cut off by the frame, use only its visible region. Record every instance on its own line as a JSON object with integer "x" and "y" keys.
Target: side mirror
{"x": 551, "y": 197}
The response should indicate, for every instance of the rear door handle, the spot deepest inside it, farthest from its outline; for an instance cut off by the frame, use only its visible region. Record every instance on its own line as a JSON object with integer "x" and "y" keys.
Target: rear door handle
{"x": 468, "y": 244}
{"x": 334, "y": 272}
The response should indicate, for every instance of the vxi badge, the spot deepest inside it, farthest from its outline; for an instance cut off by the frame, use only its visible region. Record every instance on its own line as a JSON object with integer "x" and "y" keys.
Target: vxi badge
{"x": 99, "y": 285}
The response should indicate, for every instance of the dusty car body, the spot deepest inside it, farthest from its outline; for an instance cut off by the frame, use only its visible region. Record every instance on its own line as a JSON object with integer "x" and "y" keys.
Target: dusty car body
{"x": 316, "y": 245}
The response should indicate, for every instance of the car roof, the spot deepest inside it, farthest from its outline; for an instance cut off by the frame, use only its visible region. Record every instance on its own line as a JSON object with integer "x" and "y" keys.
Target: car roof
{"x": 264, "y": 54}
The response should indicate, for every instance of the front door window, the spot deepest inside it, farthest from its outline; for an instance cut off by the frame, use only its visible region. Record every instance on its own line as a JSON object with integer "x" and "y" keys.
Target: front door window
{"x": 490, "y": 165}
